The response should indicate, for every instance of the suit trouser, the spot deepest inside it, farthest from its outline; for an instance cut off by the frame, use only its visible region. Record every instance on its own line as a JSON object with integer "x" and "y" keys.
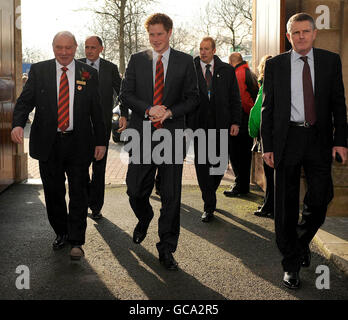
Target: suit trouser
{"x": 64, "y": 160}
{"x": 140, "y": 182}
{"x": 96, "y": 185}
{"x": 207, "y": 183}
{"x": 240, "y": 157}
{"x": 302, "y": 150}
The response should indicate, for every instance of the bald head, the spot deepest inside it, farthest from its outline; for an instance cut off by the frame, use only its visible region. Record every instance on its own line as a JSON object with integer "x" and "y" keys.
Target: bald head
{"x": 64, "y": 47}
{"x": 235, "y": 58}
{"x": 65, "y": 34}
{"x": 93, "y": 48}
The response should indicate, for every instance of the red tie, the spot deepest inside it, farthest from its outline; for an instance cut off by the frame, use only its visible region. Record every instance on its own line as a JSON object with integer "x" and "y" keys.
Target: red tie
{"x": 159, "y": 85}
{"x": 63, "y": 101}
{"x": 308, "y": 95}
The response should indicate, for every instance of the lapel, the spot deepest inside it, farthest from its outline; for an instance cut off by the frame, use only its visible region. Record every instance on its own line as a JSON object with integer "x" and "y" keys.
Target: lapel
{"x": 148, "y": 74}
{"x": 51, "y": 80}
{"x": 172, "y": 65}
{"x": 286, "y": 81}
{"x": 101, "y": 72}
{"x": 76, "y": 92}
{"x": 317, "y": 77}
{"x": 201, "y": 80}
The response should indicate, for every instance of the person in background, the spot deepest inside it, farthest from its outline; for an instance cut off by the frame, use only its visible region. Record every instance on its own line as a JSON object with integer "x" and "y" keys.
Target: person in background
{"x": 267, "y": 208}
{"x": 109, "y": 85}
{"x": 219, "y": 108}
{"x": 240, "y": 145}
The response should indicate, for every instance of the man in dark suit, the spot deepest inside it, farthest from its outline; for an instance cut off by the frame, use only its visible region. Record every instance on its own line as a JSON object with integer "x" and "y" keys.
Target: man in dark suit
{"x": 219, "y": 108}
{"x": 240, "y": 145}
{"x": 109, "y": 84}
{"x": 160, "y": 85}
{"x": 67, "y": 132}
{"x": 303, "y": 125}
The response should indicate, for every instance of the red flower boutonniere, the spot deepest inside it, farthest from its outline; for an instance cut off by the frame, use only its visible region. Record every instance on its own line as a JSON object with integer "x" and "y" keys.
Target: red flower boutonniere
{"x": 85, "y": 75}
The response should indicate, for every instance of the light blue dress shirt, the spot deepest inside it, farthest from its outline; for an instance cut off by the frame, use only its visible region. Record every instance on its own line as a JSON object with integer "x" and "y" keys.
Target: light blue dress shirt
{"x": 297, "y": 102}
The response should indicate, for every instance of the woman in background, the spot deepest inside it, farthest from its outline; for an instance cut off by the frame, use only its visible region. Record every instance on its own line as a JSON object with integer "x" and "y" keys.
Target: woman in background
{"x": 267, "y": 208}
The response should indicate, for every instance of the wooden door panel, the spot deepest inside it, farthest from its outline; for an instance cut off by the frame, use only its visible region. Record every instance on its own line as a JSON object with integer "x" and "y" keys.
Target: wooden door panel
{"x": 7, "y": 168}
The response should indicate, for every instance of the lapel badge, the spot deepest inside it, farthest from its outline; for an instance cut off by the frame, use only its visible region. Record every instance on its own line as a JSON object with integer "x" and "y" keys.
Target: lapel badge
{"x": 81, "y": 82}
{"x": 79, "y": 88}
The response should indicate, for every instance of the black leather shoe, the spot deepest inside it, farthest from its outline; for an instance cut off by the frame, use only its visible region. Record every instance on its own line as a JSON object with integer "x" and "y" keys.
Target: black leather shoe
{"x": 234, "y": 192}
{"x": 59, "y": 242}
{"x": 264, "y": 214}
{"x": 96, "y": 215}
{"x": 168, "y": 261}
{"x": 207, "y": 216}
{"x": 139, "y": 233}
{"x": 291, "y": 280}
{"x": 306, "y": 262}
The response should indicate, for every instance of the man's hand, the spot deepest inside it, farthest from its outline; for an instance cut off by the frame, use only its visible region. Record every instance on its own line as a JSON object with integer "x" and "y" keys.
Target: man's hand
{"x": 167, "y": 115}
{"x": 99, "y": 152}
{"x": 157, "y": 112}
{"x": 342, "y": 151}
{"x": 122, "y": 123}
{"x": 17, "y": 134}
{"x": 234, "y": 130}
{"x": 268, "y": 157}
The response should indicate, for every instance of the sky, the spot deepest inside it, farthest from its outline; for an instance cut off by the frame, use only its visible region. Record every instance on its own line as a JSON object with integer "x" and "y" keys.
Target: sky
{"x": 42, "y": 19}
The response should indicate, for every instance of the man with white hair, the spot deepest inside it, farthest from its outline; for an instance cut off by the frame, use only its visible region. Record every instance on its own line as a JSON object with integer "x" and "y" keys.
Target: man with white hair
{"x": 68, "y": 124}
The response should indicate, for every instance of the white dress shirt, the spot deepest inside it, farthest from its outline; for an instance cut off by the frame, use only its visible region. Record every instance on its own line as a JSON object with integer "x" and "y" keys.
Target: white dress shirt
{"x": 204, "y": 69}
{"x": 297, "y": 102}
{"x": 70, "y": 73}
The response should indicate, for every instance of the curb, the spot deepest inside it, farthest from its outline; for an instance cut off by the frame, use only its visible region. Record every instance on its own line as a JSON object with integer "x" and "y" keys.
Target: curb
{"x": 334, "y": 251}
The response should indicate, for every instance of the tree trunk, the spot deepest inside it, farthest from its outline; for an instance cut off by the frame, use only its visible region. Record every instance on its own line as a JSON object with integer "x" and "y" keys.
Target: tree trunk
{"x": 121, "y": 37}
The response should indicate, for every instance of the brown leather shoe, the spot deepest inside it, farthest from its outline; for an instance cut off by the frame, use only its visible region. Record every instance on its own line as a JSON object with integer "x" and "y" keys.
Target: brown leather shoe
{"x": 76, "y": 253}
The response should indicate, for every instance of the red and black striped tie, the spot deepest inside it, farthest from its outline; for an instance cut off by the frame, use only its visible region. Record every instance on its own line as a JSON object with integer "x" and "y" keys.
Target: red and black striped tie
{"x": 63, "y": 101}
{"x": 159, "y": 86}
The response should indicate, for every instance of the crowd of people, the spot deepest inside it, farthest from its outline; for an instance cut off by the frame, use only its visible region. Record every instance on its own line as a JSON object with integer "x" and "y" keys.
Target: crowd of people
{"x": 294, "y": 113}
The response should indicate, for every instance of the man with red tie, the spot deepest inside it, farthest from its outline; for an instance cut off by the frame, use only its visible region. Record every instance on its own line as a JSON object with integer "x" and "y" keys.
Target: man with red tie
{"x": 303, "y": 125}
{"x": 160, "y": 86}
{"x": 67, "y": 132}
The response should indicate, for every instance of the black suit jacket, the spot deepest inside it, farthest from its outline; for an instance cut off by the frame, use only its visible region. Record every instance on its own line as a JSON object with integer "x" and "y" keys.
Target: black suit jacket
{"x": 180, "y": 89}
{"x": 224, "y": 99}
{"x": 329, "y": 102}
{"x": 109, "y": 84}
{"x": 40, "y": 91}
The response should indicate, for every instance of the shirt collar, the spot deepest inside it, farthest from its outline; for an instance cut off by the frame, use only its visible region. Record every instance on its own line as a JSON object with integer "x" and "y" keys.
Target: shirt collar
{"x": 296, "y": 56}
{"x": 70, "y": 66}
{"x": 165, "y": 54}
{"x": 95, "y": 63}
{"x": 203, "y": 64}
